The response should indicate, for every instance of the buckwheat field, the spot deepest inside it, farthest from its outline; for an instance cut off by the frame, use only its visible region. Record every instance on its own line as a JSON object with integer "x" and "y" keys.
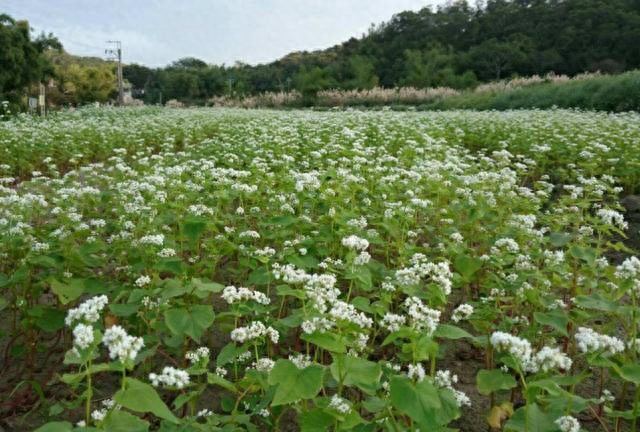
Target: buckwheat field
{"x": 233, "y": 270}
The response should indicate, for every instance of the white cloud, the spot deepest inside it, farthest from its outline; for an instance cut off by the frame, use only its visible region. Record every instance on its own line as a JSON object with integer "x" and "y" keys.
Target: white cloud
{"x": 218, "y": 31}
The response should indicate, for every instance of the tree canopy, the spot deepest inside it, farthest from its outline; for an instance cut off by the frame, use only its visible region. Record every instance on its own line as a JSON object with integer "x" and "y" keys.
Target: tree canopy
{"x": 22, "y": 59}
{"x": 457, "y": 45}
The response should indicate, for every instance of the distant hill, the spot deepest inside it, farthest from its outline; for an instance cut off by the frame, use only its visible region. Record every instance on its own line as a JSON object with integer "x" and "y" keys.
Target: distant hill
{"x": 457, "y": 45}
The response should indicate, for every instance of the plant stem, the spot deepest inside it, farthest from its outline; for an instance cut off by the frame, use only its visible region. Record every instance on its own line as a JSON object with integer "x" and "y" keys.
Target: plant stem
{"x": 89, "y": 394}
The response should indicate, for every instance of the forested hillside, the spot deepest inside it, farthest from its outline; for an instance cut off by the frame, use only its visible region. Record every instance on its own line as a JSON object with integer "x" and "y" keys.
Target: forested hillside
{"x": 458, "y": 46}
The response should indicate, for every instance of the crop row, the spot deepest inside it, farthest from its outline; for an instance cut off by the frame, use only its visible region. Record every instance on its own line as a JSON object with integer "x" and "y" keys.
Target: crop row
{"x": 323, "y": 270}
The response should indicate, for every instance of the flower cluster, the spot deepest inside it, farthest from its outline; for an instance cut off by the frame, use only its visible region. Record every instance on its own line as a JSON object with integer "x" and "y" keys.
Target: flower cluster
{"x": 232, "y": 295}
{"x": 170, "y": 377}
{"x": 200, "y": 355}
{"x": 121, "y": 345}
{"x": 89, "y": 311}
{"x": 254, "y": 330}
{"x": 462, "y": 312}
{"x": 421, "y": 317}
{"x": 589, "y": 340}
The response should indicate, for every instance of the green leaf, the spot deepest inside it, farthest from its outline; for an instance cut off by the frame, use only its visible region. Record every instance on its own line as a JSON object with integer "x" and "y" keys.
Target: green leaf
{"x": 192, "y": 323}
{"x": 184, "y": 398}
{"x": 425, "y": 348}
{"x": 363, "y": 304}
{"x": 628, "y": 414}
{"x": 173, "y": 266}
{"x": 260, "y": 276}
{"x": 67, "y": 292}
{"x": 531, "y": 418}
{"x": 221, "y": 382}
{"x": 447, "y": 331}
{"x": 402, "y": 333}
{"x": 55, "y": 427}
{"x": 558, "y": 239}
{"x": 44, "y": 261}
{"x": 596, "y": 302}
{"x": 124, "y": 310}
{"x": 557, "y": 320}
{"x": 326, "y": 341}
{"x": 227, "y": 354}
{"x": 286, "y": 290}
{"x": 418, "y": 401}
{"x": 356, "y": 371}
{"x": 374, "y": 404}
{"x": 351, "y": 420}
{"x": 467, "y": 266}
{"x": 122, "y": 421}
{"x": 50, "y": 319}
{"x": 587, "y": 255}
{"x": 140, "y": 397}
{"x": 489, "y": 381}
{"x": 193, "y": 228}
{"x": 173, "y": 288}
{"x": 204, "y": 288}
{"x": 285, "y": 220}
{"x": 630, "y": 372}
{"x": 316, "y": 420}
{"x": 294, "y": 384}
{"x": 363, "y": 276}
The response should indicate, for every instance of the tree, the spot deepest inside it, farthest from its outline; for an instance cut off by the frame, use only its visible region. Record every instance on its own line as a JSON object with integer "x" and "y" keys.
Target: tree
{"x": 138, "y": 75}
{"x": 433, "y": 68}
{"x": 188, "y": 63}
{"x": 310, "y": 81}
{"x": 92, "y": 83}
{"x": 22, "y": 60}
{"x": 493, "y": 59}
{"x": 80, "y": 80}
{"x": 363, "y": 72}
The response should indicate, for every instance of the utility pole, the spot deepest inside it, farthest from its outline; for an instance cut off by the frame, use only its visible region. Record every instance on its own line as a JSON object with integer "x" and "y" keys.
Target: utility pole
{"x": 42, "y": 100}
{"x": 116, "y": 54}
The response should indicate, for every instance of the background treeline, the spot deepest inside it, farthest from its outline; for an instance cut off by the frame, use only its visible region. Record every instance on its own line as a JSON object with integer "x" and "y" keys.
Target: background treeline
{"x": 27, "y": 61}
{"x": 456, "y": 46}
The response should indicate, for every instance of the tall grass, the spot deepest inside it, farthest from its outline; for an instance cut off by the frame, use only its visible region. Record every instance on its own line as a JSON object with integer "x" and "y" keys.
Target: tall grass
{"x": 614, "y": 93}
{"x": 592, "y": 91}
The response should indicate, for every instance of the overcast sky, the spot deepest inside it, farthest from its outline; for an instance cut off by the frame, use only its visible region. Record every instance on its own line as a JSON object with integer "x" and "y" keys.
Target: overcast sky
{"x": 156, "y": 32}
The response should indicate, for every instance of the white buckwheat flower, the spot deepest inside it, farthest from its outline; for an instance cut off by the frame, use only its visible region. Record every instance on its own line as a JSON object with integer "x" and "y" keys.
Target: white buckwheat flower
{"x": 300, "y": 360}
{"x": 416, "y": 372}
{"x": 355, "y": 242}
{"x": 231, "y": 294}
{"x": 393, "y": 322}
{"x": 89, "y": 311}
{"x": 264, "y": 364}
{"x": 170, "y": 377}
{"x": 254, "y": 330}
{"x": 568, "y": 424}
{"x": 517, "y": 347}
{"x": 591, "y": 341}
{"x": 121, "y": 345}
{"x": 82, "y": 336}
{"x": 549, "y": 359}
{"x": 142, "y": 281}
{"x": 201, "y": 353}
{"x": 629, "y": 269}
{"x": 462, "y": 312}
{"x": 339, "y": 404}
